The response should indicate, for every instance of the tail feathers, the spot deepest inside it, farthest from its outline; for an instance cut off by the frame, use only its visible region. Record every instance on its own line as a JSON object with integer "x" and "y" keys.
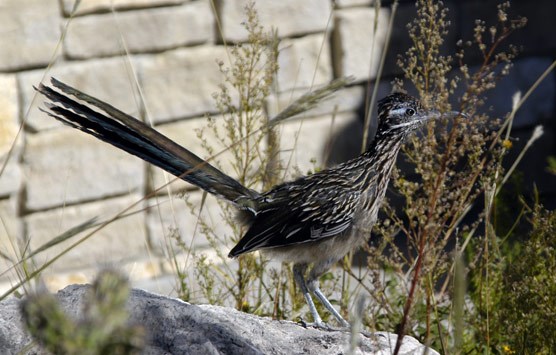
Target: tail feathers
{"x": 133, "y": 136}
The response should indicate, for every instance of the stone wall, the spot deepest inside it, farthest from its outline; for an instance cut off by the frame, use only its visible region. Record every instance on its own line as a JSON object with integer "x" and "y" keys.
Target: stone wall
{"x": 54, "y": 178}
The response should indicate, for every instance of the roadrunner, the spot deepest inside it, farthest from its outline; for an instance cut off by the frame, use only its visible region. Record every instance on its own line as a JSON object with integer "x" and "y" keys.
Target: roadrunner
{"x": 312, "y": 221}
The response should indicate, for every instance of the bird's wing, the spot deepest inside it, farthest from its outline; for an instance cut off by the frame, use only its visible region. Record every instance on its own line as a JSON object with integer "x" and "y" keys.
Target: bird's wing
{"x": 314, "y": 214}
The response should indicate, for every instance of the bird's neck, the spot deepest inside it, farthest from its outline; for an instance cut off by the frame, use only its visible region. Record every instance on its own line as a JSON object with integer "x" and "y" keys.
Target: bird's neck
{"x": 373, "y": 167}
{"x": 384, "y": 148}
{"x": 380, "y": 157}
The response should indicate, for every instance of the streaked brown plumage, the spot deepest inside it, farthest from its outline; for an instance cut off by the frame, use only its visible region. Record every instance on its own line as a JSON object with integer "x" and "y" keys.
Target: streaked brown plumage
{"x": 312, "y": 221}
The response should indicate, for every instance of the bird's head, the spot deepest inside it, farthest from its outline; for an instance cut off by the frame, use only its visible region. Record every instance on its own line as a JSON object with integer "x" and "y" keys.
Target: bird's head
{"x": 400, "y": 113}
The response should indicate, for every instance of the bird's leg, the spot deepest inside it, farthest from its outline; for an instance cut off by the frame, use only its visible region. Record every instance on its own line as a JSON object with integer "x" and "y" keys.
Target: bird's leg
{"x": 299, "y": 276}
{"x": 312, "y": 283}
{"x": 317, "y": 292}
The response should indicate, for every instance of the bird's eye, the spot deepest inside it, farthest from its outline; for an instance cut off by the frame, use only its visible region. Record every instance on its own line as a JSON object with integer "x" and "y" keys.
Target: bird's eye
{"x": 410, "y": 112}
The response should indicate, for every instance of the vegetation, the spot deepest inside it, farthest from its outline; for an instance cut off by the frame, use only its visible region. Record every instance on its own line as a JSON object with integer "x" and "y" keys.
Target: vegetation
{"x": 104, "y": 328}
{"x": 440, "y": 269}
{"x": 252, "y": 147}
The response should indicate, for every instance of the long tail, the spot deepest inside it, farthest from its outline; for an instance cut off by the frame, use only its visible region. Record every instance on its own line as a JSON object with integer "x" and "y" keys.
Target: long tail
{"x": 111, "y": 125}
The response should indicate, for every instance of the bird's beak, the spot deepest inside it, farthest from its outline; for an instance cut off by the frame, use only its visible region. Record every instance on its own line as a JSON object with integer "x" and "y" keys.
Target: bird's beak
{"x": 454, "y": 114}
{"x": 435, "y": 114}
{"x": 429, "y": 115}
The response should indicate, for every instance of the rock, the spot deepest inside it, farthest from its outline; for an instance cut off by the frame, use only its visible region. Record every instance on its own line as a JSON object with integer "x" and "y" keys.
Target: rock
{"x": 107, "y": 79}
{"x": 10, "y": 177}
{"x": 92, "y": 6}
{"x": 177, "y": 327}
{"x": 290, "y": 17}
{"x": 76, "y": 168}
{"x": 146, "y": 30}
{"x": 302, "y": 149}
{"x": 304, "y": 63}
{"x": 119, "y": 241}
{"x": 30, "y": 32}
{"x": 354, "y": 37}
{"x": 187, "y": 76}
{"x": 173, "y": 215}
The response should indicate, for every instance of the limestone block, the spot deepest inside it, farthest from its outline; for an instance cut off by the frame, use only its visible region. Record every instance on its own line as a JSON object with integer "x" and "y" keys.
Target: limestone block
{"x": 181, "y": 83}
{"x": 10, "y": 180}
{"x": 142, "y": 30}
{"x": 8, "y": 111}
{"x": 358, "y": 47}
{"x": 30, "y": 32}
{"x": 10, "y": 228}
{"x": 304, "y": 62}
{"x": 348, "y": 3}
{"x": 172, "y": 218}
{"x": 304, "y": 142}
{"x": 121, "y": 240}
{"x": 9, "y": 126}
{"x": 66, "y": 166}
{"x": 107, "y": 79}
{"x": 353, "y": 38}
{"x": 89, "y": 6}
{"x": 348, "y": 99}
{"x": 185, "y": 133}
{"x": 145, "y": 271}
{"x": 290, "y": 17}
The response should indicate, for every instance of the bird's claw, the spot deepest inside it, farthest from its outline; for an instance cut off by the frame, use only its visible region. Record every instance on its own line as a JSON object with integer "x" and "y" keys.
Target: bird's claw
{"x": 319, "y": 325}
{"x": 322, "y": 325}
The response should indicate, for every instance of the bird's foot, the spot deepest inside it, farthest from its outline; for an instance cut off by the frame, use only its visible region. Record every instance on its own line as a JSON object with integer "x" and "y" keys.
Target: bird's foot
{"x": 344, "y": 325}
{"x": 324, "y": 326}
{"x": 318, "y": 324}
